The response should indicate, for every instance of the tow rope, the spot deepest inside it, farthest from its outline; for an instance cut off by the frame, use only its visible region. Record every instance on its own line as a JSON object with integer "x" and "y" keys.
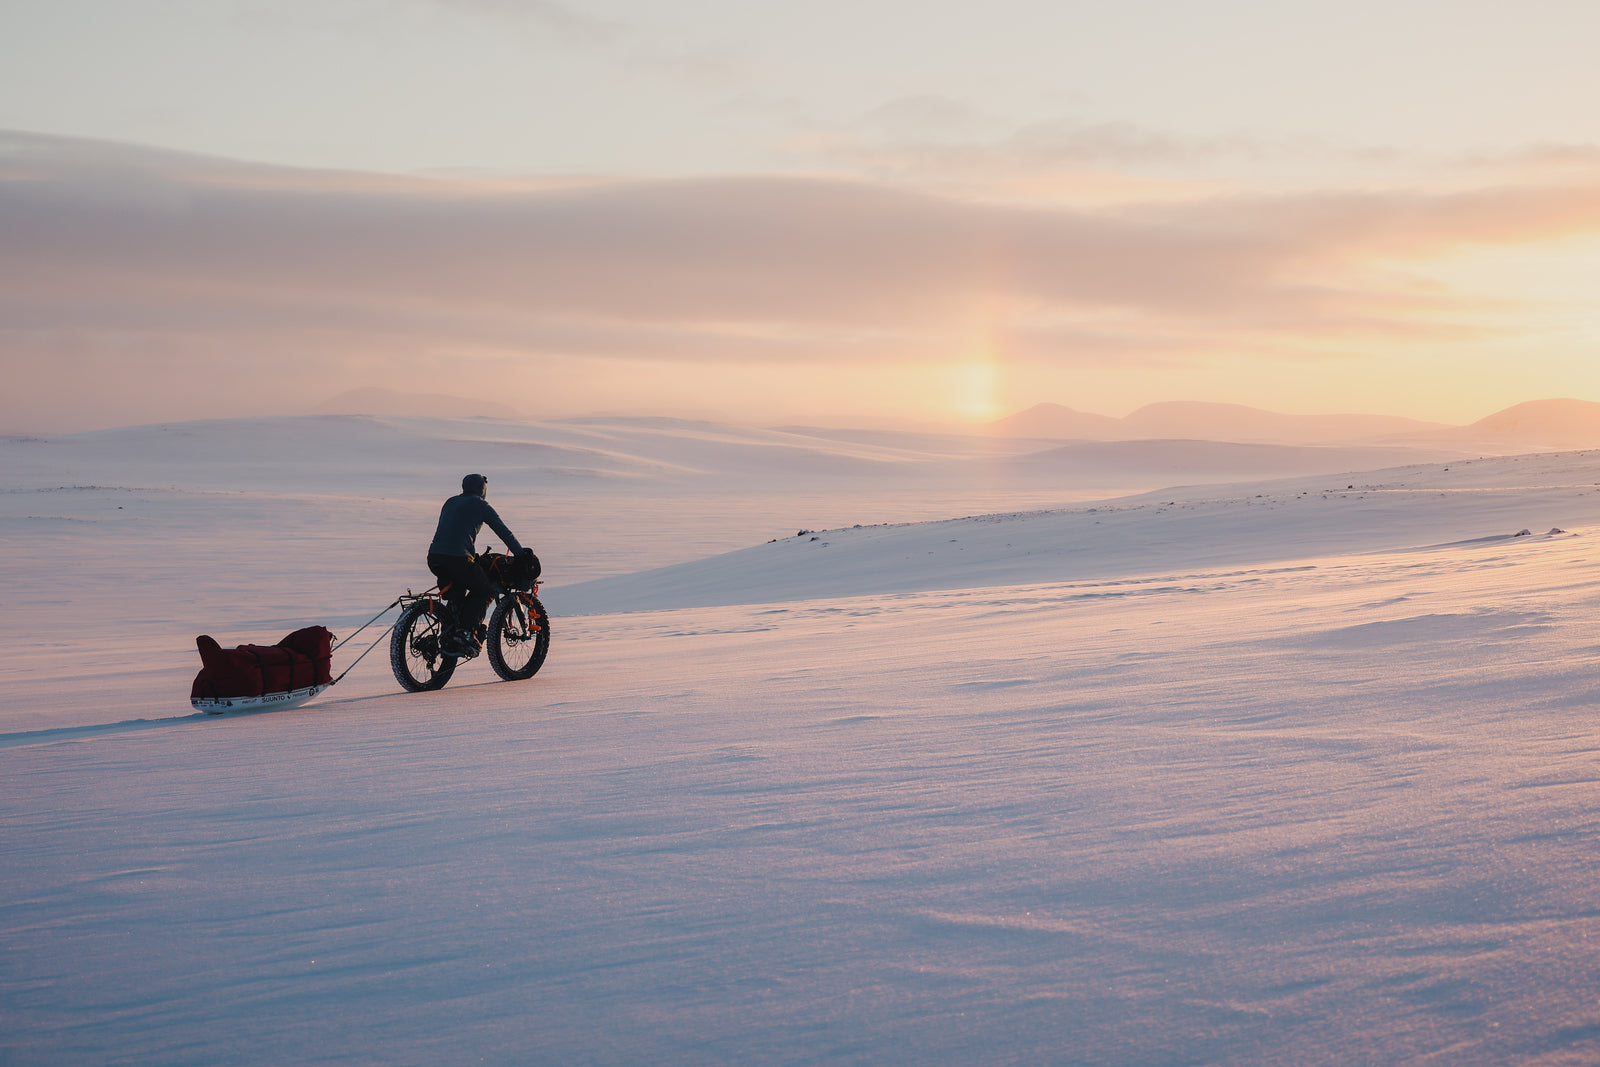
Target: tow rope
{"x": 392, "y": 605}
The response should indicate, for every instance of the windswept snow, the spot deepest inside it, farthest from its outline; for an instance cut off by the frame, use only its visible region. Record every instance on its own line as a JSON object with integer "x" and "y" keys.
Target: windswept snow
{"x": 1299, "y": 771}
{"x": 1204, "y": 527}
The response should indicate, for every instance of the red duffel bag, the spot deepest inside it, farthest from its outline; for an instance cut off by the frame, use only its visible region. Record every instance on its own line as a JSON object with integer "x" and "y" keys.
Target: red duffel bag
{"x": 299, "y": 661}
{"x": 225, "y": 672}
{"x": 314, "y": 643}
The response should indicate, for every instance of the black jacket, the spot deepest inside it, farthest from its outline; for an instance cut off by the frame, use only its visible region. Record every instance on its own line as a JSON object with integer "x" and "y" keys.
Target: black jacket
{"x": 460, "y": 520}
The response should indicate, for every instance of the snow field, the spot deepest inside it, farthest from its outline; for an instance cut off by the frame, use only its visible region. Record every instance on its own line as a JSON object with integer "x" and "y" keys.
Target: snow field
{"x": 1257, "y": 776}
{"x": 1337, "y": 812}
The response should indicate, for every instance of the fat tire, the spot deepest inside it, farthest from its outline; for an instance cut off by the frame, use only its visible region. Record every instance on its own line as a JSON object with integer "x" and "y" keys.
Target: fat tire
{"x": 526, "y": 636}
{"x": 413, "y": 668}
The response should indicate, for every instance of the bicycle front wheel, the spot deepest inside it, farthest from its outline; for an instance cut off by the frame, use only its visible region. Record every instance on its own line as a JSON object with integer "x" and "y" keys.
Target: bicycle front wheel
{"x": 519, "y": 636}
{"x": 416, "y": 652}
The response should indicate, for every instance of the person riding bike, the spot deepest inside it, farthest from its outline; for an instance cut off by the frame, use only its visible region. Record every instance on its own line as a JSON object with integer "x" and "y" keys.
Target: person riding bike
{"x": 452, "y": 558}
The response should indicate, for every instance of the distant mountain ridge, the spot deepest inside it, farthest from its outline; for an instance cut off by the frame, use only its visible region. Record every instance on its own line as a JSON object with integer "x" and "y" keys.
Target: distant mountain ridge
{"x": 376, "y": 400}
{"x": 1556, "y": 424}
{"x": 1061, "y": 423}
{"x": 1200, "y": 421}
{"x": 1553, "y": 424}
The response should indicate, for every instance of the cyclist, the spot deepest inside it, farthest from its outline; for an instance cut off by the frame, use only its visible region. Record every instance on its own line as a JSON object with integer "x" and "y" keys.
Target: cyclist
{"x": 453, "y": 559}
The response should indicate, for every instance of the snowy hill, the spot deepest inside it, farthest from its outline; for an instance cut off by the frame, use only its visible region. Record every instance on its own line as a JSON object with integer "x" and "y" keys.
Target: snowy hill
{"x": 375, "y": 401}
{"x": 1236, "y": 422}
{"x": 396, "y": 453}
{"x": 1288, "y": 771}
{"x": 1060, "y": 422}
{"x": 1543, "y": 424}
{"x": 1179, "y": 529}
{"x": 1535, "y": 426}
{"x": 1194, "y": 420}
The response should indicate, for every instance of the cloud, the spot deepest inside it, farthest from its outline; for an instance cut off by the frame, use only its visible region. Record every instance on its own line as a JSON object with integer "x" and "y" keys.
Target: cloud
{"x": 110, "y": 248}
{"x": 926, "y": 115}
{"x": 903, "y": 147}
{"x": 635, "y": 48}
{"x": 563, "y": 20}
{"x": 929, "y": 138}
{"x": 745, "y": 249}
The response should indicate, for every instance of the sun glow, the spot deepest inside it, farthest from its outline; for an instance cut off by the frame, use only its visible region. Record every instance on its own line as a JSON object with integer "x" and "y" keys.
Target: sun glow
{"x": 972, "y": 390}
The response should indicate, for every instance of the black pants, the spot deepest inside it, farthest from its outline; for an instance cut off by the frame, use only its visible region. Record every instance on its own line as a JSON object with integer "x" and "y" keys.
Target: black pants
{"x": 467, "y": 583}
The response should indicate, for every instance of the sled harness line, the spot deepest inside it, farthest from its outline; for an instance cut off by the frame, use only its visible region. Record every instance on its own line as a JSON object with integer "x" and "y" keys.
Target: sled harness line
{"x": 392, "y": 605}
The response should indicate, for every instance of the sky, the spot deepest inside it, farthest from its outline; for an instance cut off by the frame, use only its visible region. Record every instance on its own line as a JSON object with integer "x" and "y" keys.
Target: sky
{"x": 765, "y": 212}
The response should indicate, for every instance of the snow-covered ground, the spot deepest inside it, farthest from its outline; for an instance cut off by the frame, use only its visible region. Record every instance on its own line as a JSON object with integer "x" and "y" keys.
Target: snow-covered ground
{"x": 1291, "y": 771}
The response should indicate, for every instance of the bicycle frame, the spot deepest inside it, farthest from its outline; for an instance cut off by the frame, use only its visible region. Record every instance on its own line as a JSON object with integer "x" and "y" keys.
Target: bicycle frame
{"x": 435, "y": 595}
{"x": 516, "y": 644}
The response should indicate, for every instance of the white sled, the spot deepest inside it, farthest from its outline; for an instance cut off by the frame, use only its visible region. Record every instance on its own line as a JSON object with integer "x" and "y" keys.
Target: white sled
{"x": 292, "y": 698}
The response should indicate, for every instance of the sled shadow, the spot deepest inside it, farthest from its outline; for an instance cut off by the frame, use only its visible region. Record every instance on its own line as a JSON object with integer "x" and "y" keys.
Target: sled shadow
{"x": 52, "y": 734}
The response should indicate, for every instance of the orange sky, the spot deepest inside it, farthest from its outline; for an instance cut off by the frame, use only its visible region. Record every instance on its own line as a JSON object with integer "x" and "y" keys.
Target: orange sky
{"x": 711, "y": 228}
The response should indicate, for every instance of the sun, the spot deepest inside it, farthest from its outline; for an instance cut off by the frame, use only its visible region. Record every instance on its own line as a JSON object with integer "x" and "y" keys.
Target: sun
{"x": 973, "y": 389}
{"x": 972, "y": 385}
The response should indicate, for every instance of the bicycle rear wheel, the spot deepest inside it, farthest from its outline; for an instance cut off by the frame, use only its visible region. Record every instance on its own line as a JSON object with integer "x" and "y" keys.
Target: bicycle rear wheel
{"x": 415, "y": 650}
{"x": 519, "y": 636}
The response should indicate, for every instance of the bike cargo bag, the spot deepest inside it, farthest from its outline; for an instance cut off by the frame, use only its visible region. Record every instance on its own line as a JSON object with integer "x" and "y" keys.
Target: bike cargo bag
{"x": 511, "y": 572}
